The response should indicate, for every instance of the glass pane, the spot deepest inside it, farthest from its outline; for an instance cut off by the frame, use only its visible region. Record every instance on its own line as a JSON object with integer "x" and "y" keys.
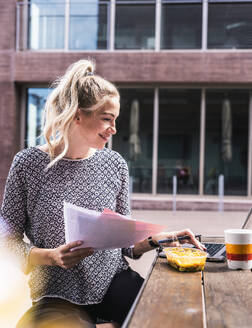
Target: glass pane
{"x": 88, "y": 25}
{"x": 135, "y": 26}
{"x": 226, "y": 149}
{"x": 134, "y": 136}
{"x": 180, "y": 30}
{"x": 46, "y": 24}
{"x": 230, "y": 25}
{"x": 178, "y": 142}
{"x": 36, "y": 98}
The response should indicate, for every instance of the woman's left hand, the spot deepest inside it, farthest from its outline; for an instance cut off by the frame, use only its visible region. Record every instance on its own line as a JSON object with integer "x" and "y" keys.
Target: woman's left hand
{"x": 174, "y": 235}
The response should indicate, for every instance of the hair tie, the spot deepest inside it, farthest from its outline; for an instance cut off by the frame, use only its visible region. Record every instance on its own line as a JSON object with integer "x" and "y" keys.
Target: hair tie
{"x": 89, "y": 74}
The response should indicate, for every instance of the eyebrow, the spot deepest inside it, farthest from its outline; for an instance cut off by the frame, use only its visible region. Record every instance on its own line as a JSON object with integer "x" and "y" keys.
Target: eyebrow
{"x": 106, "y": 113}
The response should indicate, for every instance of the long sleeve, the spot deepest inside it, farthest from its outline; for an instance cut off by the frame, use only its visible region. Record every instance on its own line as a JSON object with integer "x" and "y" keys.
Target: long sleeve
{"x": 123, "y": 204}
{"x": 13, "y": 215}
{"x": 123, "y": 199}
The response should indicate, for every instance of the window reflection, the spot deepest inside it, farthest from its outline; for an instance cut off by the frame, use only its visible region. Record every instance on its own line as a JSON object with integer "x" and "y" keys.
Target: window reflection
{"x": 134, "y": 136}
{"x": 226, "y": 137}
{"x": 135, "y": 25}
{"x": 180, "y": 30}
{"x": 46, "y": 24}
{"x": 178, "y": 143}
{"x": 36, "y": 101}
{"x": 89, "y": 25}
{"x": 226, "y": 141}
{"x": 230, "y": 25}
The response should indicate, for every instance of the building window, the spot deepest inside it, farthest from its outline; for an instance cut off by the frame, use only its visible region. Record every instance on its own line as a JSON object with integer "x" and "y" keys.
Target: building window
{"x": 229, "y": 25}
{"x": 226, "y": 137}
{"x": 134, "y": 137}
{"x": 135, "y": 24}
{"x": 226, "y": 148}
{"x": 86, "y": 24}
{"x": 46, "y": 24}
{"x": 178, "y": 141}
{"x": 36, "y": 98}
{"x": 89, "y": 25}
{"x": 181, "y": 24}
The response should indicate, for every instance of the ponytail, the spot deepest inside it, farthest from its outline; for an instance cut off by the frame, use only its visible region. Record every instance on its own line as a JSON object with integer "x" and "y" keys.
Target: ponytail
{"x": 77, "y": 89}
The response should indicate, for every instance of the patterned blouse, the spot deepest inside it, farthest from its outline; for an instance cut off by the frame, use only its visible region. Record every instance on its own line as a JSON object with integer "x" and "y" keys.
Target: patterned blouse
{"x": 33, "y": 204}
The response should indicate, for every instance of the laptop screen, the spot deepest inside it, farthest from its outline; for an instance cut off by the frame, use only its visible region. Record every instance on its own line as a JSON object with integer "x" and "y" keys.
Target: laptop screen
{"x": 248, "y": 221}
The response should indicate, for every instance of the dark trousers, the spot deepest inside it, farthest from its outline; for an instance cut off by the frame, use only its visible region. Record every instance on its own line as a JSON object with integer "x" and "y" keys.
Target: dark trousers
{"x": 58, "y": 313}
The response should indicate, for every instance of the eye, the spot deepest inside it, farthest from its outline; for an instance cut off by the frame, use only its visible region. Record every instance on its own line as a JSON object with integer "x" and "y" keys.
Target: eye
{"x": 107, "y": 119}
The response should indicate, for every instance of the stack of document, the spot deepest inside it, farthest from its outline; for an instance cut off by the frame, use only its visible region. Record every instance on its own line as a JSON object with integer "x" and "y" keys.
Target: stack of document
{"x": 104, "y": 230}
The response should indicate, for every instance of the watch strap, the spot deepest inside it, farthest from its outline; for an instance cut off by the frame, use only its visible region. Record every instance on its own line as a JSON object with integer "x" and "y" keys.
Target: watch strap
{"x": 151, "y": 243}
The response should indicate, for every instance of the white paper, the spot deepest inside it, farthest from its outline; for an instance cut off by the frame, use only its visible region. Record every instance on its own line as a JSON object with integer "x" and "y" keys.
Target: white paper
{"x": 106, "y": 230}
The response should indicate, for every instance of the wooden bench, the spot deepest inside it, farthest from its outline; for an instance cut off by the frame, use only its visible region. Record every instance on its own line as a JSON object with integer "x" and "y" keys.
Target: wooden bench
{"x": 217, "y": 297}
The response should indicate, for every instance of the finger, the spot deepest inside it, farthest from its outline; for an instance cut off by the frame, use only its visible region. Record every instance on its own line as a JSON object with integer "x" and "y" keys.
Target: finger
{"x": 66, "y": 248}
{"x": 198, "y": 244}
{"x": 77, "y": 259}
{"x": 69, "y": 265}
{"x": 175, "y": 244}
{"x": 192, "y": 238}
{"x": 70, "y": 260}
{"x": 203, "y": 247}
{"x": 80, "y": 253}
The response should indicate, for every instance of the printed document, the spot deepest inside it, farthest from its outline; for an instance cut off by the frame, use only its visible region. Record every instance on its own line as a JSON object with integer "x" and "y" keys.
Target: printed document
{"x": 104, "y": 230}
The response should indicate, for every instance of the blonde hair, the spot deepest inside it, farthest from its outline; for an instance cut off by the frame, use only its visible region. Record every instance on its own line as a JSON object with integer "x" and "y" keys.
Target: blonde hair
{"x": 77, "y": 89}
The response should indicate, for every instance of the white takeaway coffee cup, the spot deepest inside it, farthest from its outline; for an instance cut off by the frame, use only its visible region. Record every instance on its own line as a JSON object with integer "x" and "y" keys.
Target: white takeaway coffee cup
{"x": 238, "y": 248}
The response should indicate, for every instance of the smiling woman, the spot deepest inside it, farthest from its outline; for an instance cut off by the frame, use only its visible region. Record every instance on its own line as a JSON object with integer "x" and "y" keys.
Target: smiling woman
{"x": 71, "y": 284}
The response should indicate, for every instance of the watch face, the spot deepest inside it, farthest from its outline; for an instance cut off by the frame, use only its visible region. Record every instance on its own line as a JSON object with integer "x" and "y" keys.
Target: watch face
{"x": 151, "y": 243}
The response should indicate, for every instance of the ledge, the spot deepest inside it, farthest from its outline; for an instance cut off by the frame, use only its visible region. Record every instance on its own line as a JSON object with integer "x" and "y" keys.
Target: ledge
{"x": 189, "y": 203}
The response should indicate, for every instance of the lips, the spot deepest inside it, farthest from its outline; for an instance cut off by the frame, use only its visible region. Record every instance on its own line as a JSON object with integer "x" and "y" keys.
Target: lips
{"x": 105, "y": 138}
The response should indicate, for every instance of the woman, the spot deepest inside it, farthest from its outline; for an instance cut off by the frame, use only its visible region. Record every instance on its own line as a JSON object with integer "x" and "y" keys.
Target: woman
{"x": 72, "y": 287}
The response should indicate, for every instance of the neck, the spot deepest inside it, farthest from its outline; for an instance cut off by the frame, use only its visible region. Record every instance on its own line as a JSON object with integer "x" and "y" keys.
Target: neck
{"x": 79, "y": 153}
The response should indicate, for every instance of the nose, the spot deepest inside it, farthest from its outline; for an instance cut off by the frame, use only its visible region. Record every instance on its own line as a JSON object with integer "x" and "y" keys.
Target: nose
{"x": 113, "y": 128}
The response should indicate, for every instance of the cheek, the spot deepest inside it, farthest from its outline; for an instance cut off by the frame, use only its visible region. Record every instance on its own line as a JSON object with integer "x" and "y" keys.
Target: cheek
{"x": 93, "y": 127}
{"x": 101, "y": 126}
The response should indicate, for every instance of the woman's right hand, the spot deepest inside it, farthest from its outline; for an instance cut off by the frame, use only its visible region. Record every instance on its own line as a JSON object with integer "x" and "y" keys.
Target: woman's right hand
{"x": 67, "y": 257}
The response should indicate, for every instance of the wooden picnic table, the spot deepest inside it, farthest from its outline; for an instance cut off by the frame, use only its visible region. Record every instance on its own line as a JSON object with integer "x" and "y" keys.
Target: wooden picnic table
{"x": 216, "y": 297}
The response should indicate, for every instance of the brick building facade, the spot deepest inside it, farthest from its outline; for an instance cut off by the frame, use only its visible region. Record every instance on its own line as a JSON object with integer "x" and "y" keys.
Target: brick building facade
{"x": 177, "y": 68}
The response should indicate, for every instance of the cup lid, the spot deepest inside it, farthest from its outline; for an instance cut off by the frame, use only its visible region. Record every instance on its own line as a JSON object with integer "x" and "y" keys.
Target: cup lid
{"x": 240, "y": 231}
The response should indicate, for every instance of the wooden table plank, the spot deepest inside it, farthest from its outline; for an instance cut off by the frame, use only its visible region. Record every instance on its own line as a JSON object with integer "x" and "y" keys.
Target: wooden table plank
{"x": 170, "y": 299}
{"x": 228, "y": 296}
{"x": 174, "y": 299}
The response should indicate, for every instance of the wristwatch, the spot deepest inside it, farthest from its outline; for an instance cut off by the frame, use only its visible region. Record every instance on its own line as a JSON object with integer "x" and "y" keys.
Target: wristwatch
{"x": 151, "y": 243}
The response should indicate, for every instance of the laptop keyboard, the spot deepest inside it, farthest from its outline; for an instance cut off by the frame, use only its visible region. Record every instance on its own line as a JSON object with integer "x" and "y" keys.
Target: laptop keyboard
{"x": 212, "y": 249}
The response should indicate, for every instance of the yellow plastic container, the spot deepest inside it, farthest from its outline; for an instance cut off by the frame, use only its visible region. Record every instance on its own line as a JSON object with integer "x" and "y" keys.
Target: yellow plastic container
{"x": 186, "y": 259}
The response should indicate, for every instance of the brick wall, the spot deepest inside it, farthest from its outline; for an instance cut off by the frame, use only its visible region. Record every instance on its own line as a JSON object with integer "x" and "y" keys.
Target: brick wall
{"x": 148, "y": 67}
{"x": 7, "y": 88}
{"x": 163, "y": 68}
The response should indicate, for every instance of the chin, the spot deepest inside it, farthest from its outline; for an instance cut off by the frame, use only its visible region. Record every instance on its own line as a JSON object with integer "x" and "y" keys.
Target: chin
{"x": 100, "y": 147}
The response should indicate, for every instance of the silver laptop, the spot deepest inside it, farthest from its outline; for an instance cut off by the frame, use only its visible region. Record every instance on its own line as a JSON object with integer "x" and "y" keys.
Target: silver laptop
{"x": 217, "y": 252}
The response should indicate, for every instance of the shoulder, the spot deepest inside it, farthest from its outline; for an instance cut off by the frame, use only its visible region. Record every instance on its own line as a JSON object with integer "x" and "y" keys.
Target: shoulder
{"x": 113, "y": 157}
{"x": 27, "y": 157}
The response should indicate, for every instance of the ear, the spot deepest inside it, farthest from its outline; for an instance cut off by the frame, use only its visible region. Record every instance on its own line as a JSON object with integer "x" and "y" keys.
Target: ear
{"x": 77, "y": 116}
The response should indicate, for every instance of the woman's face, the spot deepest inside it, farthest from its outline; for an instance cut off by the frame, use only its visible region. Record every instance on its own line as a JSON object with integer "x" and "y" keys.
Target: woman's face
{"x": 97, "y": 128}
